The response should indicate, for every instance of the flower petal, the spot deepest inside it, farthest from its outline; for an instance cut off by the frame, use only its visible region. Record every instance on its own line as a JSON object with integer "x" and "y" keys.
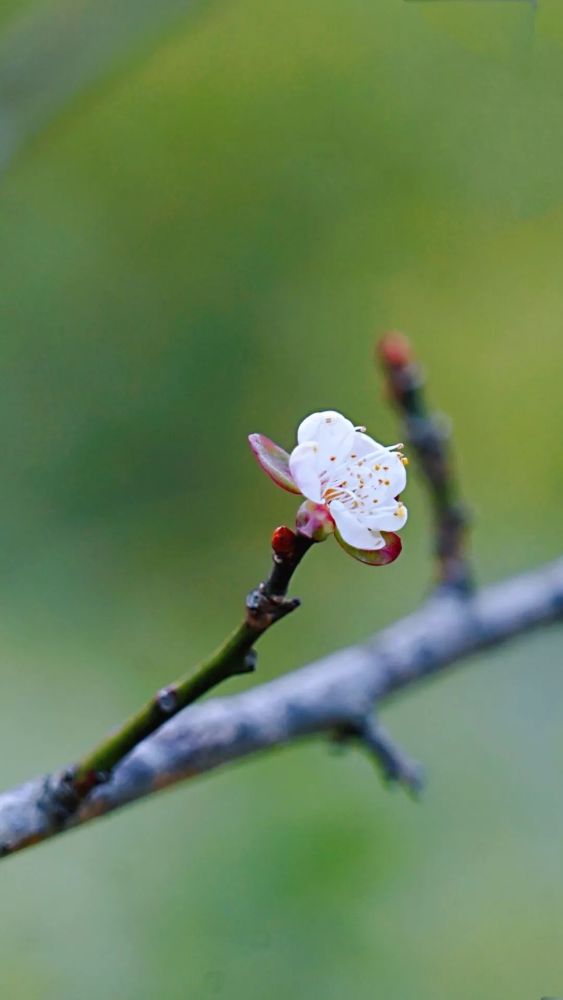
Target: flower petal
{"x": 325, "y": 421}
{"x": 383, "y": 467}
{"x": 364, "y": 444}
{"x": 390, "y": 550}
{"x": 274, "y": 460}
{"x": 333, "y": 434}
{"x": 392, "y": 517}
{"x": 355, "y": 531}
{"x": 303, "y": 469}
{"x": 397, "y": 474}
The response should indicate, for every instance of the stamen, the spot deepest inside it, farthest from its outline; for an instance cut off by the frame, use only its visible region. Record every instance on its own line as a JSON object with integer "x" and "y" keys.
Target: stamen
{"x": 334, "y": 493}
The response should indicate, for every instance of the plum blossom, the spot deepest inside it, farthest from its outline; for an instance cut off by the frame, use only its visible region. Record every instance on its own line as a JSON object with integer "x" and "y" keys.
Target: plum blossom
{"x": 350, "y": 482}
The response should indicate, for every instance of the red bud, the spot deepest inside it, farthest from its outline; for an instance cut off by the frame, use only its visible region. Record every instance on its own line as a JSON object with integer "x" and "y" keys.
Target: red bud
{"x": 395, "y": 350}
{"x": 283, "y": 542}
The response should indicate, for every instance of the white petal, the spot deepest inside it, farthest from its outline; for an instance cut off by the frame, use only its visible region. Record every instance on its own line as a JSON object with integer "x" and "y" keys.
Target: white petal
{"x": 303, "y": 468}
{"x": 392, "y": 469}
{"x": 327, "y": 428}
{"x": 354, "y": 531}
{"x": 383, "y": 471}
{"x": 390, "y": 518}
{"x": 363, "y": 444}
{"x": 334, "y": 435}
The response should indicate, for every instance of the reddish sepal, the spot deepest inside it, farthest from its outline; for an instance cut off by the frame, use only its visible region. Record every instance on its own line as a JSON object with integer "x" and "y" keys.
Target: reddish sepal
{"x": 375, "y": 557}
{"x": 274, "y": 460}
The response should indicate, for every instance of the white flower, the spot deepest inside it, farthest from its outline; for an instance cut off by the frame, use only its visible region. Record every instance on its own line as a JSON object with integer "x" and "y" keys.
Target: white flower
{"x": 352, "y": 485}
{"x": 357, "y": 479}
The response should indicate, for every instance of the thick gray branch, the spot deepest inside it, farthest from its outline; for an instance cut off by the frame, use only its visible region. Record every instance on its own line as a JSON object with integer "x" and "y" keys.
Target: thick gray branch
{"x": 327, "y": 695}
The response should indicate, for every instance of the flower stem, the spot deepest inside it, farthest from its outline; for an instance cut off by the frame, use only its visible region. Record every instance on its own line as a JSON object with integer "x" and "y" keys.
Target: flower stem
{"x": 265, "y": 605}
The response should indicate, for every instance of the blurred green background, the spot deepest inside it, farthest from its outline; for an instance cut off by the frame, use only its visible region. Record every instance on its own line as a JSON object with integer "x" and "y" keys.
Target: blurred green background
{"x": 200, "y": 237}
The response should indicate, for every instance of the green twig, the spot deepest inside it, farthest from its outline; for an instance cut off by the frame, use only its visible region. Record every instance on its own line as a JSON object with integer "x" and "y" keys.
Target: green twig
{"x": 265, "y": 605}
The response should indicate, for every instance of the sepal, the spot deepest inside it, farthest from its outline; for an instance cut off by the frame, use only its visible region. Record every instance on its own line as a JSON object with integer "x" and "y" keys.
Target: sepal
{"x": 375, "y": 557}
{"x": 274, "y": 460}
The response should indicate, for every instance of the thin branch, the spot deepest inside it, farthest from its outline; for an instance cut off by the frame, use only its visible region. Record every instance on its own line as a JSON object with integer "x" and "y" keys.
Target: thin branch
{"x": 334, "y": 692}
{"x": 428, "y": 434}
{"x": 265, "y": 605}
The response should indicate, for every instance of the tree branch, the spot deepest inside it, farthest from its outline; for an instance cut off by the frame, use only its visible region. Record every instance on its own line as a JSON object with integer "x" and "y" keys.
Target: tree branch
{"x": 428, "y": 434}
{"x": 336, "y": 695}
{"x": 335, "y": 692}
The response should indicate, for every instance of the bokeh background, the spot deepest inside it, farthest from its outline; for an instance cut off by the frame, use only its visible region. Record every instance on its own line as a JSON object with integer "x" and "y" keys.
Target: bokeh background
{"x": 207, "y": 213}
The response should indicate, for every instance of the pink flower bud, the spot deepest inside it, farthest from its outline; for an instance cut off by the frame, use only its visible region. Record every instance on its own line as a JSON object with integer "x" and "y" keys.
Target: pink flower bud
{"x": 314, "y": 521}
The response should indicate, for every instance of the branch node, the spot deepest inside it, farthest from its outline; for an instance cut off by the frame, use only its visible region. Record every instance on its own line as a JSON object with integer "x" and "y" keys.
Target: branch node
{"x": 249, "y": 662}
{"x": 61, "y": 797}
{"x": 263, "y": 608}
{"x": 167, "y": 700}
{"x": 254, "y": 599}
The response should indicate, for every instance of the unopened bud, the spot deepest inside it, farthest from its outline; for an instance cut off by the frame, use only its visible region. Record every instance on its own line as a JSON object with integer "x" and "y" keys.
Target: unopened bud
{"x": 283, "y": 542}
{"x": 314, "y": 521}
{"x": 395, "y": 350}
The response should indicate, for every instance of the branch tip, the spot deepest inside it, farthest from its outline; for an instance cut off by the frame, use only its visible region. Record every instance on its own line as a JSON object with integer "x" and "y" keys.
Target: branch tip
{"x": 392, "y": 762}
